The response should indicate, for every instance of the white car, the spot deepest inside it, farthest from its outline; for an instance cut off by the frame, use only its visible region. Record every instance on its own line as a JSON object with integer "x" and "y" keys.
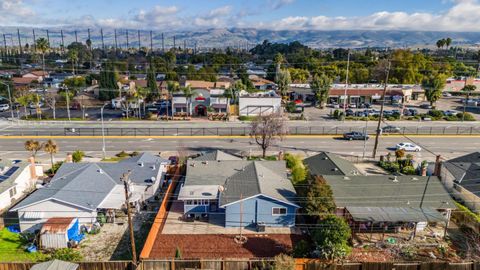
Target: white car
{"x": 410, "y": 147}
{"x": 4, "y": 107}
{"x": 450, "y": 113}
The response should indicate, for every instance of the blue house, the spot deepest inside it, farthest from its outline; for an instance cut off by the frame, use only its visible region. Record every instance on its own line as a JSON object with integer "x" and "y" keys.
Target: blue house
{"x": 241, "y": 192}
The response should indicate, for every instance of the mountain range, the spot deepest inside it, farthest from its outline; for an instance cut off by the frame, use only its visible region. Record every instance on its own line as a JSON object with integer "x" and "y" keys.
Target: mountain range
{"x": 243, "y": 37}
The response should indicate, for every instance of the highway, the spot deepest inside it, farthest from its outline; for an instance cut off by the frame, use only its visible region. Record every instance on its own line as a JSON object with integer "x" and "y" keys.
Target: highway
{"x": 447, "y": 146}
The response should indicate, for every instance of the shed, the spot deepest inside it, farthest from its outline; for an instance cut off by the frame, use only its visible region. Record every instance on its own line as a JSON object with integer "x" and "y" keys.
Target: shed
{"x": 58, "y": 231}
{"x": 55, "y": 265}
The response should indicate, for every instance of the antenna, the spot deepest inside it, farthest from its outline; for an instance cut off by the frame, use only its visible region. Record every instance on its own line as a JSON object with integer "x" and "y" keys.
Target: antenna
{"x": 103, "y": 44}
{"x": 34, "y": 40}
{"x": 48, "y": 37}
{"x": 63, "y": 44}
{"x": 163, "y": 43}
{"x": 139, "y": 44}
{"x": 174, "y": 45}
{"x": 19, "y": 42}
{"x": 76, "y": 36}
{"x": 151, "y": 42}
{"x": 116, "y": 45}
{"x": 126, "y": 33}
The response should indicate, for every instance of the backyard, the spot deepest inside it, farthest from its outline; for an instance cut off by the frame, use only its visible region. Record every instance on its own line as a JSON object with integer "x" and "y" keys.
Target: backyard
{"x": 12, "y": 249}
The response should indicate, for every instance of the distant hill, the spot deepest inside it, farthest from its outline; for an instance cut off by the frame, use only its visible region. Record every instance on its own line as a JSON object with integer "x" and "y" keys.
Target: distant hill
{"x": 242, "y": 36}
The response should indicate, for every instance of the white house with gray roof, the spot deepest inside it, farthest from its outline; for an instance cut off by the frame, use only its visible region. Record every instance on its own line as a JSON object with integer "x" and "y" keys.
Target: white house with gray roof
{"x": 82, "y": 190}
{"x": 244, "y": 192}
{"x": 17, "y": 178}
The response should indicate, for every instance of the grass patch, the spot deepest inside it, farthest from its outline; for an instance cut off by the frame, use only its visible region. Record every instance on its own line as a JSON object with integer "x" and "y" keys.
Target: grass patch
{"x": 247, "y": 118}
{"x": 271, "y": 158}
{"x": 12, "y": 249}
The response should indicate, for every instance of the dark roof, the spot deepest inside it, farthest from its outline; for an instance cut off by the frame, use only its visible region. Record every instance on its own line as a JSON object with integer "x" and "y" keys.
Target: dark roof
{"x": 242, "y": 179}
{"x": 394, "y": 214}
{"x": 389, "y": 191}
{"x": 466, "y": 171}
{"x": 216, "y": 155}
{"x": 86, "y": 185}
{"x": 326, "y": 163}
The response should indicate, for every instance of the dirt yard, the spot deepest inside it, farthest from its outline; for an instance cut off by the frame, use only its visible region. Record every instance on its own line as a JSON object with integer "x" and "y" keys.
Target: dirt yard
{"x": 222, "y": 246}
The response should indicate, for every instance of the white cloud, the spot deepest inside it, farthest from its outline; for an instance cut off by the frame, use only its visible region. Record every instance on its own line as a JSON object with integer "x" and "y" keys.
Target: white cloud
{"x": 221, "y": 11}
{"x": 276, "y": 4}
{"x": 462, "y": 16}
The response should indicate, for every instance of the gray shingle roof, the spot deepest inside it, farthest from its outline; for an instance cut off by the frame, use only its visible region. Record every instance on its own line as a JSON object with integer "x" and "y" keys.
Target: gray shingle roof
{"x": 466, "y": 170}
{"x": 216, "y": 155}
{"x": 87, "y": 184}
{"x": 242, "y": 178}
{"x": 383, "y": 191}
{"x": 146, "y": 158}
{"x": 10, "y": 174}
{"x": 326, "y": 163}
{"x": 55, "y": 265}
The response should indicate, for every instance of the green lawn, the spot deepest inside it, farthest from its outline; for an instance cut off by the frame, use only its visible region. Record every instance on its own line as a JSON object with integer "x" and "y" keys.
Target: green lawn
{"x": 12, "y": 249}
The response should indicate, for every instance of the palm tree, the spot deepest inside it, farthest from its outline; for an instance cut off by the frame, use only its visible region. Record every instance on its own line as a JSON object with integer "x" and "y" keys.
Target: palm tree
{"x": 73, "y": 57}
{"x": 51, "y": 147}
{"x": 467, "y": 89}
{"x": 33, "y": 147}
{"x": 448, "y": 42}
{"x": 141, "y": 94}
{"x": 43, "y": 46}
{"x": 440, "y": 43}
{"x": 24, "y": 101}
{"x": 188, "y": 93}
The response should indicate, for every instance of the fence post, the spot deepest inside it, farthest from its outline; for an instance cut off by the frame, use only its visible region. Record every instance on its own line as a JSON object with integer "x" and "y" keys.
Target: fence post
{"x": 417, "y": 130}
{"x": 191, "y": 131}
{"x": 431, "y": 130}
{"x": 444, "y": 128}
{"x": 217, "y": 131}
{"x": 231, "y": 131}
{"x": 471, "y": 130}
{"x": 336, "y": 130}
{"x": 135, "y": 132}
{"x": 203, "y": 130}
{"x": 296, "y": 130}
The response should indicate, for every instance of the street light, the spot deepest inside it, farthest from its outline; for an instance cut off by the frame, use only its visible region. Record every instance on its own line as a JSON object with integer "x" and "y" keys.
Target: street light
{"x": 103, "y": 132}
{"x": 9, "y": 97}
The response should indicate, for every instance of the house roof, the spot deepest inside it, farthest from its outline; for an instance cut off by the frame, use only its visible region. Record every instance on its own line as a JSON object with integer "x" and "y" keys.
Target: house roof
{"x": 239, "y": 179}
{"x": 389, "y": 191}
{"x": 38, "y": 73}
{"x": 466, "y": 171}
{"x": 395, "y": 214}
{"x": 55, "y": 265}
{"x": 22, "y": 80}
{"x": 86, "y": 185}
{"x": 146, "y": 158}
{"x": 326, "y": 163}
{"x": 8, "y": 174}
{"x": 216, "y": 155}
{"x": 365, "y": 92}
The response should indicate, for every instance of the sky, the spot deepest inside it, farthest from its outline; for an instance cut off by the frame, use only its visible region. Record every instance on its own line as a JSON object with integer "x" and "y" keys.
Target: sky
{"x": 432, "y": 15}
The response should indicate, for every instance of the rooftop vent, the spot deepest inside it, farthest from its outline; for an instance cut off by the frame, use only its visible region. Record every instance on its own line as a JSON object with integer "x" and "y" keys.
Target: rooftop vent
{"x": 140, "y": 164}
{"x": 414, "y": 179}
{"x": 100, "y": 171}
{"x": 335, "y": 169}
{"x": 395, "y": 180}
{"x": 153, "y": 167}
{"x": 205, "y": 162}
{"x": 325, "y": 158}
{"x": 346, "y": 178}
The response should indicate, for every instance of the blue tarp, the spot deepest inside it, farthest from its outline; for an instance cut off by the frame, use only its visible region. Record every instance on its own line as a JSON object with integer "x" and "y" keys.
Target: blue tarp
{"x": 14, "y": 228}
{"x": 74, "y": 230}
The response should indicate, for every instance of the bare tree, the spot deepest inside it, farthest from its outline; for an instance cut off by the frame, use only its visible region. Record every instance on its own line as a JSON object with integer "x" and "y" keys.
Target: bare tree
{"x": 266, "y": 129}
{"x": 51, "y": 101}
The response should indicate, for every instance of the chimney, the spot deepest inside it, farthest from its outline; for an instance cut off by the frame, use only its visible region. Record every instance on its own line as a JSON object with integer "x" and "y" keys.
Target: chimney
{"x": 69, "y": 158}
{"x": 33, "y": 170}
{"x": 438, "y": 166}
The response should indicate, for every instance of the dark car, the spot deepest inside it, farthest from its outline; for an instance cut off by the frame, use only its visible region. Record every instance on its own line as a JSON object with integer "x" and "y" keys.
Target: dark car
{"x": 390, "y": 129}
{"x": 173, "y": 160}
{"x": 349, "y": 112}
{"x": 426, "y": 106}
{"x": 355, "y": 135}
{"x": 360, "y": 114}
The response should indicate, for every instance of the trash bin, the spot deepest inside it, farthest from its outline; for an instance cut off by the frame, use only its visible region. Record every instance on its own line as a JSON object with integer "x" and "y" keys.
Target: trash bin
{"x": 261, "y": 227}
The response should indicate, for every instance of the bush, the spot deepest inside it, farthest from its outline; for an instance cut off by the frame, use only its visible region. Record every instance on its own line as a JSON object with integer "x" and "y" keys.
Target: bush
{"x": 341, "y": 116}
{"x": 284, "y": 262}
{"x": 122, "y": 154}
{"x": 409, "y": 170}
{"x": 331, "y": 237}
{"x": 77, "y": 156}
{"x": 66, "y": 254}
{"x": 435, "y": 114}
{"x": 301, "y": 249}
{"x": 246, "y": 118}
{"x": 54, "y": 168}
{"x": 292, "y": 160}
{"x": 468, "y": 116}
{"x": 299, "y": 173}
{"x": 291, "y": 107}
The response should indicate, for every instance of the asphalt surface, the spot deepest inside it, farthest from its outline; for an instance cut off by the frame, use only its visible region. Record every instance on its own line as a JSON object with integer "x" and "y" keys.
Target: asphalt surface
{"x": 447, "y": 147}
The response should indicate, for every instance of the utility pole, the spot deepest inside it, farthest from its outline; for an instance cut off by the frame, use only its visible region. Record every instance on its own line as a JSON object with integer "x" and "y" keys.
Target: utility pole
{"x": 48, "y": 37}
{"x": 380, "y": 117}
{"x": 151, "y": 41}
{"x": 125, "y": 178}
{"x": 34, "y": 41}
{"x": 126, "y": 33}
{"x": 163, "y": 43}
{"x": 103, "y": 42}
{"x": 195, "y": 49}
{"x": 76, "y": 37}
{"x": 115, "y": 35}
{"x": 346, "y": 86}
{"x": 139, "y": 44}
{"x": 88, "y": 30}
{"x": 365, "y": 139}
{"x": 174, "y": 44}
{"x": 5, "y": 45}
{"x": 63, "y": 44}
{"x": 20, "y": 50}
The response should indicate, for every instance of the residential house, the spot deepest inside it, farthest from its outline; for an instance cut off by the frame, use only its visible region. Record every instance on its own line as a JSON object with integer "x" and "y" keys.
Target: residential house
{"x": 261, "y": 83}
{"x": 326, "y": 163}
{"x": 83, "y": 190}
{"x": 16, "y": 180}
{"x": 239, "y": 192}
{"x": 201, "y": 102}
{"x": 56, "y": 80}
{"x": 37, "y": 75}
{"x": 385, "y": 202}
{"x": 253, "y": 104}
{"x": 461, "y": 177}
{"x": 23, "y": 83}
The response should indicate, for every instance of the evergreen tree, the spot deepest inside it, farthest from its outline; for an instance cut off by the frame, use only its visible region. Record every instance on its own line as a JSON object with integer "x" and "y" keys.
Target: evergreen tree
{"x": 108, "y": 82}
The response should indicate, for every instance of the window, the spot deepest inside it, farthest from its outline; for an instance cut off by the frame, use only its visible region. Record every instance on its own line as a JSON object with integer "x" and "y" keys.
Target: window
{"x": 279, "y": 211}
{"x": 13, "y": 192}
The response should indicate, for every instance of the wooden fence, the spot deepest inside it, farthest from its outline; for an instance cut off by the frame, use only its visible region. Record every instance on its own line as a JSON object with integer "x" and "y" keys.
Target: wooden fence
{"x": 301, "y": 264}
{"x": 161, "y": 216}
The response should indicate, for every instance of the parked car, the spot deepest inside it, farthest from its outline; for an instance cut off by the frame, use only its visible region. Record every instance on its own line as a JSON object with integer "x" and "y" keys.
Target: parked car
{"x": 360, "y": 114}
{"x": 365, "y": 105}
{"x": 410, "y": 112}
{"x": 34, "y": 105}
{"x": 425, "y": 106}
{"x": 390, "y": 129}
{"x": 355, "y": 135}
{"x": 450, "y": 113}
{"x": 349, "y": 112}
{"x": 446, "y": 94}
{"x": 407, "y": 146}
{"x": 387, "y": 113}
{"x": 4, "y": 107}
{"x": 352, "y": 105}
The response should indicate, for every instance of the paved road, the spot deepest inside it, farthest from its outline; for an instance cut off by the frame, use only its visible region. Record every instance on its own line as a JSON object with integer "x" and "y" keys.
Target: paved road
{"x": 447, "y": 147}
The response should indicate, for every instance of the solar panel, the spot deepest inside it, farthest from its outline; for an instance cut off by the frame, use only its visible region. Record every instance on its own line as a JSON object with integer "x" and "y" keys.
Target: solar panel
{"x": 8, "y": 173}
